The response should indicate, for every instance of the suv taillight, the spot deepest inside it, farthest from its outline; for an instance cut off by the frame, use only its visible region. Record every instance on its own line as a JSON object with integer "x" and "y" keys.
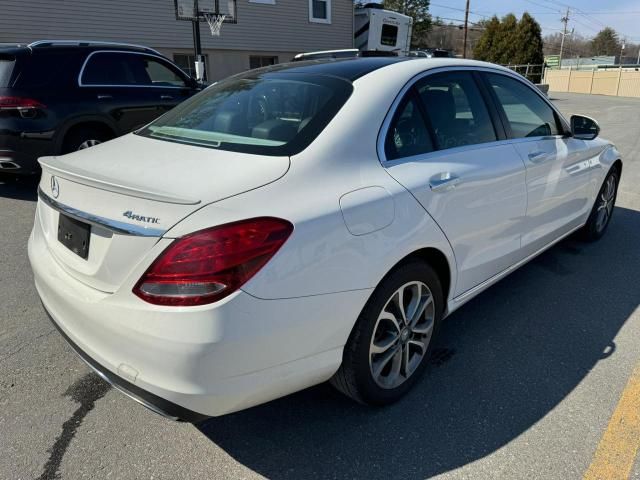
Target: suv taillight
{"x": 208, "y": 265}
{"x": 19, "y": 103}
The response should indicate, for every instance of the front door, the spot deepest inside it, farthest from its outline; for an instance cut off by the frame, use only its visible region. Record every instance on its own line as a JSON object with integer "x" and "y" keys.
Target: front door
{"x": 557, "y": 165}
{"x": 444, "y": 145}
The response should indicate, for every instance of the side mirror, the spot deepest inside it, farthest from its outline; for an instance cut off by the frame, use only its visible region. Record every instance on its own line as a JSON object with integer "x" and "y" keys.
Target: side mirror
{"x": 584, "y": 128}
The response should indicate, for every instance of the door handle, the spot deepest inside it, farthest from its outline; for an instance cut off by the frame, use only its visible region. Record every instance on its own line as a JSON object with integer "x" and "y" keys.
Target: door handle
{"x": 443, "y": 182}
{"x": 104, "y": 97}
{"x": 537, "y": 157}
{"x": 166, "y": 97}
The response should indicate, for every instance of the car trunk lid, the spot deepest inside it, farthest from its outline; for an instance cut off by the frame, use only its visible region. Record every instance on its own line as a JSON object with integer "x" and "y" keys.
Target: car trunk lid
{"x": 131, "y": 190}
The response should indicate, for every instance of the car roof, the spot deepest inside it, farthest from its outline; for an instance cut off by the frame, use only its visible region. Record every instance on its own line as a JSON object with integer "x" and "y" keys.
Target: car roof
{"x": 346, "y": 68}
{"x": 351, "y": 69}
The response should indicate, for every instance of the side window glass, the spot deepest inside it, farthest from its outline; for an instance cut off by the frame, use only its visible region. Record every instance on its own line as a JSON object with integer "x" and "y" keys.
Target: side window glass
{"x": 124, "y": 69}
{"x": 158, "y": 74}
{"x": 407, "y": 135}
{"x": 456, "y": 110}
{"x": 527, "y": 113}
{"x": 109, "y": 68}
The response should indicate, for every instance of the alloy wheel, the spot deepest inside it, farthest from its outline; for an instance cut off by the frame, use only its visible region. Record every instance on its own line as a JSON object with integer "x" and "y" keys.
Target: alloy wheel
{"x": 605, "y": 203}
{"x": 401, "y": 335}
{"x": 88, "y": 144}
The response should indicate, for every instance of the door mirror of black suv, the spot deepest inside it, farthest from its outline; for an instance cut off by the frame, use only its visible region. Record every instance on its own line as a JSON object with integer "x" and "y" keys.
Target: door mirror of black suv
{"x": 584, "y": 128}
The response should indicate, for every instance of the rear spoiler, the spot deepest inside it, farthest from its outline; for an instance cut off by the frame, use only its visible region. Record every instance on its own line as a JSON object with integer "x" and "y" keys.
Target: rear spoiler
{"x": 84, "y": 177}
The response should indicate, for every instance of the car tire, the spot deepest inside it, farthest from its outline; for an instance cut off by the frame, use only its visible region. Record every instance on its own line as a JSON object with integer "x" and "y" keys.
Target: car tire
{"x": 363, "y": 375}
{"x": 82, "y": 138}
{"x": 602, "y": 210}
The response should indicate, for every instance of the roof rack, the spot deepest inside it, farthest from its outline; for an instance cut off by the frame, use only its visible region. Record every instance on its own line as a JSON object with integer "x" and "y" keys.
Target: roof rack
{"x": 343, "y": 53}
{"x": 88, "y": 43}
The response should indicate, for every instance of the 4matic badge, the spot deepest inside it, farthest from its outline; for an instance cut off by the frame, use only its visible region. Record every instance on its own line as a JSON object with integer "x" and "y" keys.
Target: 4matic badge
{"x": 139, "y": 218}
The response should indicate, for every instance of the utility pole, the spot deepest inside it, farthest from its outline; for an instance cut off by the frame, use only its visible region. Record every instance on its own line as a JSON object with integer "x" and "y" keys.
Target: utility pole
{"x": 466, "y": 28}
{"x": 564, "y": 20}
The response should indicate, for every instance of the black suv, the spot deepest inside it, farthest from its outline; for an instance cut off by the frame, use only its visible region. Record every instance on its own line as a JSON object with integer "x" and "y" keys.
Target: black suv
{"x": 60, "y": 96}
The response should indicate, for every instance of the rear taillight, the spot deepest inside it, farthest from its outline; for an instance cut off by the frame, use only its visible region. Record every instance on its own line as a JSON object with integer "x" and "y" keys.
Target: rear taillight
{"x": 208, "y": 265}
{"x": 19, "y": 103}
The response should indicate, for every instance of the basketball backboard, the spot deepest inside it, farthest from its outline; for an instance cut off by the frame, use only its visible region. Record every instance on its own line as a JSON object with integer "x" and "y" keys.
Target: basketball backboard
{"x": 195, "y": 9}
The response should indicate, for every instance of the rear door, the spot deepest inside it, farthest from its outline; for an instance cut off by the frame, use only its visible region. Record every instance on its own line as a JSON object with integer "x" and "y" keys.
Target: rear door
{"x": 557, "y": 165}
{"x": 444, "y": 145}
{"x": 118, "y": 84}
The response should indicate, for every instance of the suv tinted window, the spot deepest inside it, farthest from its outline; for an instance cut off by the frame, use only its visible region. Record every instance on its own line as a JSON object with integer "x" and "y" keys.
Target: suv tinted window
{"x": 6, "y": 67}
{"x": 527, "y": 113}
{"x": 408, "y": 134}
{"x": 123, "y": 69}
{"x": 111, "y": 68}
{"x": 160, "y": 75}
{"x": 268, "y": 114}
{"x": 456, "y": 110}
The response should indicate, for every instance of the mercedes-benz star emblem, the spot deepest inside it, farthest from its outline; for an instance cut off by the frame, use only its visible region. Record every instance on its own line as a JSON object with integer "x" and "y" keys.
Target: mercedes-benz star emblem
{"x": 55, "y": 188}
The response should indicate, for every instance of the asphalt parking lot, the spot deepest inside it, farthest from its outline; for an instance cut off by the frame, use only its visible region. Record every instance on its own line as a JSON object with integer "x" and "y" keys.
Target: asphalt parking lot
{"x": 523, "y": 384}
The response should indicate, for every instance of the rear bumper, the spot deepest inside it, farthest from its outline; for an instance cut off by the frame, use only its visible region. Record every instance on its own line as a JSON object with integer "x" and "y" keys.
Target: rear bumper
{"x": 18, "y": 162}
{"x": 191, "y": 363}
{"x": 149, "y": 400}
{"x": 19, "y": 151}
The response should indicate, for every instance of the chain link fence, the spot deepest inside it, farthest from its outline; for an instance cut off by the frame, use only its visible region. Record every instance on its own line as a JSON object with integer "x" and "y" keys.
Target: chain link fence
{"x": 534, "y": 73}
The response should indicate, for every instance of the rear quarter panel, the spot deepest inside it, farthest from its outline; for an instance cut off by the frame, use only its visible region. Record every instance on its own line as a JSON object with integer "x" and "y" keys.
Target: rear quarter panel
{"x": 322, "y": 256}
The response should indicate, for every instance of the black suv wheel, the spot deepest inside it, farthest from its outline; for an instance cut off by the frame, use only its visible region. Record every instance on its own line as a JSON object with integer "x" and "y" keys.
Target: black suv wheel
{"x": 85, "y": 137}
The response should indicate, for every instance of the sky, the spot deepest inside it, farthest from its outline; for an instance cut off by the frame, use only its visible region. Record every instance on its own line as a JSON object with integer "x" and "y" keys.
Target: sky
{"x": 587, "y": 17}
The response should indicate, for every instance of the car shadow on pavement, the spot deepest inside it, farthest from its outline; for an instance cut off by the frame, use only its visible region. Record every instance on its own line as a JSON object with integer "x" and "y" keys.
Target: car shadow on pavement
{"x": 19, "y": 187}
{"x": 504, "y": 361}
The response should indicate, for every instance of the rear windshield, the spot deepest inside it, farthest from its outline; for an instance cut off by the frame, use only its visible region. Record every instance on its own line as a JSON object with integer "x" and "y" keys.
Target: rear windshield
{"x": 268, "y": 114}
{"x": 6, "y": 67}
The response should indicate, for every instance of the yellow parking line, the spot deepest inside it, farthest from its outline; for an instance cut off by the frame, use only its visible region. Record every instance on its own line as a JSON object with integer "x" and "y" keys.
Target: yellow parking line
{"x": 619, "y": 445}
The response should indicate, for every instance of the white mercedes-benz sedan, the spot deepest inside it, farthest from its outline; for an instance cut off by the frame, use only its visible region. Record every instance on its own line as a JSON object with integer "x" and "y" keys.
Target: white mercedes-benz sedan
{"x": 307, "y": 222}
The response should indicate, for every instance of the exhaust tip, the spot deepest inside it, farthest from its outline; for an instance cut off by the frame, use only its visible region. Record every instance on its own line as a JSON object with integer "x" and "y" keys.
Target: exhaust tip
{"x": 5, "y": 165}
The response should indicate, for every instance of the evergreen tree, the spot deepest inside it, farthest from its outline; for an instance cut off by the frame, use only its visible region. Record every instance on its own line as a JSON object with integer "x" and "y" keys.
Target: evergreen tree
{"x": 485, "y": 47}
{"x": 529, "y": 41}
{"x": 509, "y": 41}
{"x": 506, "y": 42}
{"x": 606, "y": 42}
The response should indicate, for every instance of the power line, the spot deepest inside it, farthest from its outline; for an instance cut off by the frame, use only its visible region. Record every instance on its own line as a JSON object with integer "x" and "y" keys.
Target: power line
{"x": 613, "y": 13}
{"x": 586, "y": 15}
{"x": 586, "y": 26}
{"x": 458, "y": 9}
{"x": 543, "y": 6}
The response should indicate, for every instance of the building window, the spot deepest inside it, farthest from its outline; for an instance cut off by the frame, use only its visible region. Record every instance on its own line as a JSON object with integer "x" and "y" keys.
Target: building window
{"x": 320, "y": 11}
{"x": 187, "y": 63}
{"x": 256, "y": 61}
{"x": 266, "y": 2}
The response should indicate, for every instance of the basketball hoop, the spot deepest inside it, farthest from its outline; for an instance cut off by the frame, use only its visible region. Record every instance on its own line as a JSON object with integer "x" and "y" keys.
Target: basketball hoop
{"x": 215, "y": 21}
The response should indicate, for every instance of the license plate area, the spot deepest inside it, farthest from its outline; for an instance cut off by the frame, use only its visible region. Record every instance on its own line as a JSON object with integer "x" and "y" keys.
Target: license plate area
{"x": 74, "y": 235}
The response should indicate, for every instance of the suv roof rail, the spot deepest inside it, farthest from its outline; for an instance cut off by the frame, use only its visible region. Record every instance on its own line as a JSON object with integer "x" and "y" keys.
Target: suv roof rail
{"x": 89, "y": 43}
